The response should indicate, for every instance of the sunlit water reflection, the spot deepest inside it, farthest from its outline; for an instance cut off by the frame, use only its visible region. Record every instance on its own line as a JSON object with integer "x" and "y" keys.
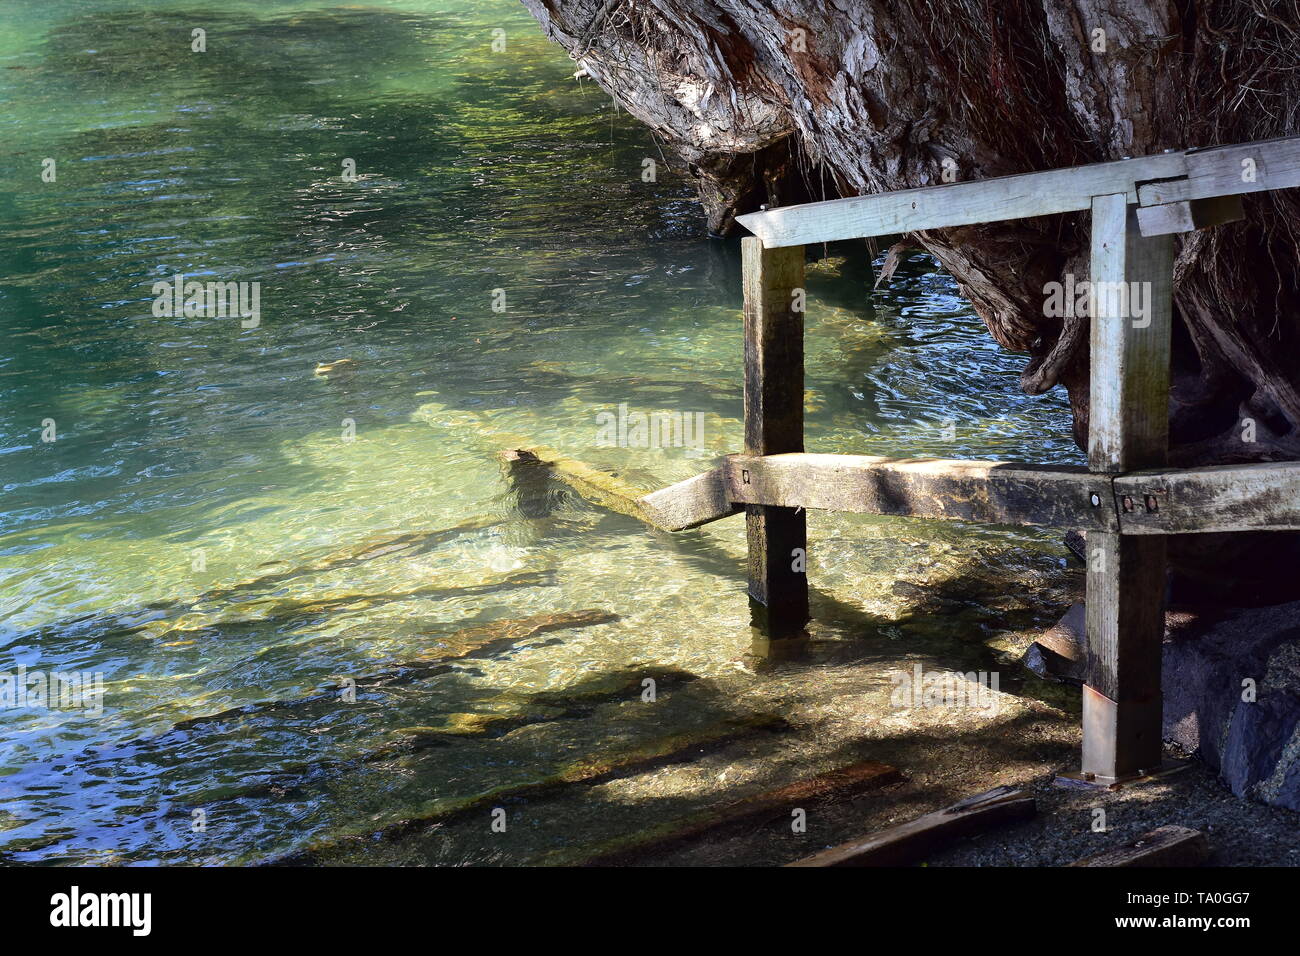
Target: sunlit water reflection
{"x": 217, "y": 527}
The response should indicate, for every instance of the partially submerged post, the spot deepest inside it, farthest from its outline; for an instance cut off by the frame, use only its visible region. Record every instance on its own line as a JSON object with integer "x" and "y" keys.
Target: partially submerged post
{"x": 777, "y": 535}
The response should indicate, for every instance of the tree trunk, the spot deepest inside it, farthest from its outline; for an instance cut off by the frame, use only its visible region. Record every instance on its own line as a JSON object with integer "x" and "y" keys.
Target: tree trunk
{"x": 781, "y": 101}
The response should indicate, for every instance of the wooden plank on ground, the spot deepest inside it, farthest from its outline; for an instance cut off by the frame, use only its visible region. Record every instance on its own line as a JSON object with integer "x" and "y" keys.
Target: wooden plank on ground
{"x": 841, "y": 784}
{"x": 1128, "y": 429}
{"x": 982, "y": 491}
{"x": 1230, "y": 170}
{"x": 1255, "y": 497}
{"x": 905, "y": 843}
{"x": 777, "y": 537}
{"x": 1163, "y": 846}
{"x": 959, "y": 204}
{"x": 689, "y": 503}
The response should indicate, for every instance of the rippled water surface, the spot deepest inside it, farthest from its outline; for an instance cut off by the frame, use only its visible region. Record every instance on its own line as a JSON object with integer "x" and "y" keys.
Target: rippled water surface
{"x": 216, "y": 526}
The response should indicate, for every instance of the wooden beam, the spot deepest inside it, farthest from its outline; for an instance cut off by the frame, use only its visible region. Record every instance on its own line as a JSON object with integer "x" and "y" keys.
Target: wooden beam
{"x": 777, "y": 537}
{"x": 1189, "y": 215}
{"x": 1154, "y": 180}
{"x": 1230, "y": 171}
{"x": 982, "y": 491}
{"x": 689, "y": 503}
{"x": 1128, "y": 429}
{"x": 1257, "y": 497}
{"x": 598, "y": 487}
{"x": 902, "y": 844}
{"x": 958, "y": 204}
{"x": 1163, "y": 846}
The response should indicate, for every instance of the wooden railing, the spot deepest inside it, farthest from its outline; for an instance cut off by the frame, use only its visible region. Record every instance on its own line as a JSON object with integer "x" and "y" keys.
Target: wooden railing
{"x": 1126, "y": 499}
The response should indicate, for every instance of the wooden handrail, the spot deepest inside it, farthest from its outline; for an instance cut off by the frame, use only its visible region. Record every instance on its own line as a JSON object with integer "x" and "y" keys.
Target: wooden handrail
{"x": 1176, "y": 176}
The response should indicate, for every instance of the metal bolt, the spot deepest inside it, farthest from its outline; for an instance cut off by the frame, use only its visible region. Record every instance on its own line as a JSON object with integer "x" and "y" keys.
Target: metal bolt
{"x": 744, "y": 476}
{"x": 1096, "y": 501}
{"x": 1128, "y": 503}
{"x": 1152, "y": 504}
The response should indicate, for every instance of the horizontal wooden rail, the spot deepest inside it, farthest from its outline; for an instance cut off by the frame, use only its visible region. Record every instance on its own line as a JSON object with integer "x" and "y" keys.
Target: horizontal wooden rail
{"x": 1257, "y": 497}
{"x": 1152, "y": 180}
{"x": 1230, "y": 171}
{"x": 982, "y": 491}
{"x": 689, "y": 503}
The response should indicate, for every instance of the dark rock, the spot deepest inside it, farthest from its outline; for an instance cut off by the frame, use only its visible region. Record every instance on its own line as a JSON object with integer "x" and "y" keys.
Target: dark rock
{"x": 1049, "y": 665}
{"x": 1208, "y": 658}
{"x": 1060, "y": 653}
{"x": 1252, "y": 743}
{"x": 1257, "y": 735}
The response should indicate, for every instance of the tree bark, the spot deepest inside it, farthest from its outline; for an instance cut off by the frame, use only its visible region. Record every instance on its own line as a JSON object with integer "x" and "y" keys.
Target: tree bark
{"x": 781, "y": 101}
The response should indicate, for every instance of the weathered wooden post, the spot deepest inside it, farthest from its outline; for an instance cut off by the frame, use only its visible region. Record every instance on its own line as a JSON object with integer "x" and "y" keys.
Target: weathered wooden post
{"x": 1127, "y": 431}
{"x": 777, "y": 536}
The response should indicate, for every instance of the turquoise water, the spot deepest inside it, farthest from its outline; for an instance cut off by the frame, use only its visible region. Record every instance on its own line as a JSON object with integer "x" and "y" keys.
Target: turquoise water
{"x": 215, "y": 525}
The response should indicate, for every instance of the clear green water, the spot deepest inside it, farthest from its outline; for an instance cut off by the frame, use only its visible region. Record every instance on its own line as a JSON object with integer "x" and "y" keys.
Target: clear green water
{"x": 477, "y": 170}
